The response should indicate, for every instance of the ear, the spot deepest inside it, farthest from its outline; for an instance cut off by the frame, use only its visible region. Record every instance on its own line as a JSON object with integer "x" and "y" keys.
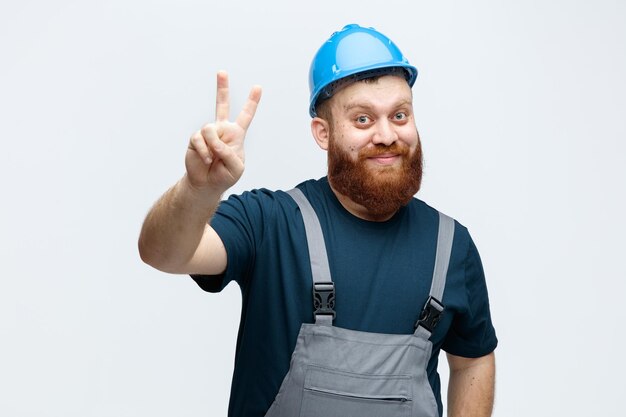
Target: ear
{"x": 321, "y": 132}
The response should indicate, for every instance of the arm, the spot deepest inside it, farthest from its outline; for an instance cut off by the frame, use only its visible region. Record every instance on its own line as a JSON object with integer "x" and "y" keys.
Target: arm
{"x": 471, "y": 387}
{"x": 175, "y": 236}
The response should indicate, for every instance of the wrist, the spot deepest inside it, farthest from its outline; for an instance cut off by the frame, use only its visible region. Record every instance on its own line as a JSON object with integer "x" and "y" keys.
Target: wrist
{"x": 205, "y": 197}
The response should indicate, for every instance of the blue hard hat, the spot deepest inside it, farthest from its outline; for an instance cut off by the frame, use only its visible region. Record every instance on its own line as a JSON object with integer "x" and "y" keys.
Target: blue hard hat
{"x": 355, "y": 52}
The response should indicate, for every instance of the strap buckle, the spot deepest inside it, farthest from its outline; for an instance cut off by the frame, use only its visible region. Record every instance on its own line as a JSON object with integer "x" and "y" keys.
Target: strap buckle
{"x": 431, "y": 314}
{"x": 324, "y": 299}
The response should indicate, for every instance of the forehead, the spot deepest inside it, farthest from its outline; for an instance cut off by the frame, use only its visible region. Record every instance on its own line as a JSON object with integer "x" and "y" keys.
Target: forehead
{"x": 386, "y": 91}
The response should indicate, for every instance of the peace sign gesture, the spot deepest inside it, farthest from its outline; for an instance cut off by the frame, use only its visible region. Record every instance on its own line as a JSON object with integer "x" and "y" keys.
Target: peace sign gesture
{"x": 215, "y": 155}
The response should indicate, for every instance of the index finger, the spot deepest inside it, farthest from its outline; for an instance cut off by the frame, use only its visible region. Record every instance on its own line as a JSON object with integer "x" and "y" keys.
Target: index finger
{"x": 249, "y": 109}
{"x": 222, "y": 102}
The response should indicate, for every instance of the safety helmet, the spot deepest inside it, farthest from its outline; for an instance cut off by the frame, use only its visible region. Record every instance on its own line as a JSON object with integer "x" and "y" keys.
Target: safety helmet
{"x": 356, "y": 52}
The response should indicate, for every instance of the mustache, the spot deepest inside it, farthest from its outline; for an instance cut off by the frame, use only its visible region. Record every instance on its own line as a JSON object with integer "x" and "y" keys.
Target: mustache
{"x": 381, "y": 149}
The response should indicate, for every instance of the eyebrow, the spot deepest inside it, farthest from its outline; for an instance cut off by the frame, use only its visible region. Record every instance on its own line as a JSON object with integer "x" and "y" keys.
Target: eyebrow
{"x": 349, "y": 107}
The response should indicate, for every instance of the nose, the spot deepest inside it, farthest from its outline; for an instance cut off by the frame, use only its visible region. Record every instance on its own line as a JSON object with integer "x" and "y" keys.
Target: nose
{"x": 385, "y": 133}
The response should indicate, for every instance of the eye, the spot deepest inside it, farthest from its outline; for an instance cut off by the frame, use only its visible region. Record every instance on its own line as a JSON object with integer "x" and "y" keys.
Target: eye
{"x": 400, "y": 116}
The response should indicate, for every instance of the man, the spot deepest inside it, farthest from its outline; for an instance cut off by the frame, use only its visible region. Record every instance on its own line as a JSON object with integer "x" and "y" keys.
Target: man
{"x": 381, "y": 246}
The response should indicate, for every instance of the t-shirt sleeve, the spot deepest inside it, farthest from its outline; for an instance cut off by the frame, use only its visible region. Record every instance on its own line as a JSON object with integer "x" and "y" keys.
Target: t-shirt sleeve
{"x": 238, "y": 221}
{"x": 472, "y": 333}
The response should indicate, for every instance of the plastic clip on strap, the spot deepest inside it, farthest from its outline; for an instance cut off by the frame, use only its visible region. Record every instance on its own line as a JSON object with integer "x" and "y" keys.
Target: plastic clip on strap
{"x": 431, "y": 314}
{"x": 324, "y": 302}
{"x": 323, "y": 287}
{"x": 433, "y": 310}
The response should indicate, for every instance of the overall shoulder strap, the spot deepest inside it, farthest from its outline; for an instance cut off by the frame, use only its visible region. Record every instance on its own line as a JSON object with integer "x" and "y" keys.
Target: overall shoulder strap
{"x": 431, "y": 313}
{"x": 323, "y": 287}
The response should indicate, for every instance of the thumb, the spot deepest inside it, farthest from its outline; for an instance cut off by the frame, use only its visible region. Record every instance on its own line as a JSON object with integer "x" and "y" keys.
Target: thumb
{"x": 227, "y": 155}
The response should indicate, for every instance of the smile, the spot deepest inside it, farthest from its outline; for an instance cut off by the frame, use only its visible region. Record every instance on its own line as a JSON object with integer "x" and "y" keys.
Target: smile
{"x": 385, "y": 159}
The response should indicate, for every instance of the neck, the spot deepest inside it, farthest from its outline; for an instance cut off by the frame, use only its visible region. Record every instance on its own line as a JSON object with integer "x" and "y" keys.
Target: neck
{"x": 359, "y": 210}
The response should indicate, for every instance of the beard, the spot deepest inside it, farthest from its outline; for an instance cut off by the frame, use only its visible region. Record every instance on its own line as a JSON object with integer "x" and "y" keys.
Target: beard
{"x": 381, "y": 190}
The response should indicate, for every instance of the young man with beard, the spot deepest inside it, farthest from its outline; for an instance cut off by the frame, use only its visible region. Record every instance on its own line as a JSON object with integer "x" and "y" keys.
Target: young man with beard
{"x": 381, "y": 244}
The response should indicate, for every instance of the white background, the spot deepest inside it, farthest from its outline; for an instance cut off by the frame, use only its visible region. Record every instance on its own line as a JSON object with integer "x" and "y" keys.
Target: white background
{"x": 521, "y": 107}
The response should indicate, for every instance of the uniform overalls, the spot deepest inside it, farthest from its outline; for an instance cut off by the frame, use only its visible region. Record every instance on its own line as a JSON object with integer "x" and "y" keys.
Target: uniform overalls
{"x": 336, "y": 372}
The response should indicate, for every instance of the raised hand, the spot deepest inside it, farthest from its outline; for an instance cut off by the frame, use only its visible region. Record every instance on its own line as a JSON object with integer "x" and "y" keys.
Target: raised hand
{"x": 215, "y": 155}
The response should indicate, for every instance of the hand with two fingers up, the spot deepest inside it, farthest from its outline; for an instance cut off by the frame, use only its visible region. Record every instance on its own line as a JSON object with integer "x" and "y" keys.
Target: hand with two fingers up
{"x": 215, "y": 155}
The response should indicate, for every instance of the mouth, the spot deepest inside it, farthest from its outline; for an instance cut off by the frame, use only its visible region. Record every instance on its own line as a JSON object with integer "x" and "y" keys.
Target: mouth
{"x": 385, "y": 159}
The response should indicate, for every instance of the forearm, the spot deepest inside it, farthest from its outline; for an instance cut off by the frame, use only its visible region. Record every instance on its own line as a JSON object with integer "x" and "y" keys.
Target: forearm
{"x": 471, "y": 386}
{"x": 174, "y": 226}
